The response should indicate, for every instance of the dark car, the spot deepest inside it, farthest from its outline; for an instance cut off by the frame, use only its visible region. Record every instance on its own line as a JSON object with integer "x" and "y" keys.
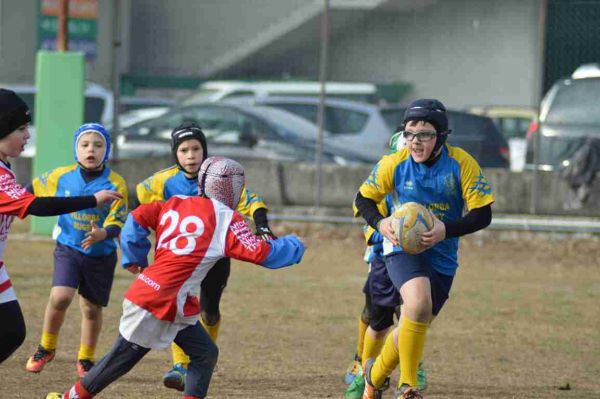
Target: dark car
{"x": 569, "y": 114}
{"x": 478, "y": 135}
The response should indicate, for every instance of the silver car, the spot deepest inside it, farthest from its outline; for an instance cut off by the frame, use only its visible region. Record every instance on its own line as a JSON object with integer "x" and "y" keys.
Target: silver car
{"x": 236, "y": 131}
{"x": 352, "y": 127}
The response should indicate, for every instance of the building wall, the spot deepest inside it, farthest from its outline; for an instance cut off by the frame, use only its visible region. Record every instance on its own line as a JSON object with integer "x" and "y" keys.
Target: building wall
{"x": 464, "y": 52}
{"x": 177, "y": 37}
{"x": 18, "y": 41}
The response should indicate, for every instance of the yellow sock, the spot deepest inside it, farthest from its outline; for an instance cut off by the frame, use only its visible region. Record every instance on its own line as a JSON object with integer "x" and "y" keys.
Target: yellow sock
{"x": 86, "y": 352}
{"x": 372, "y": 348}
{"x": 213, "y": 330}
{"x": 362, "y": 332}
{"x": 386, "y": 362}
{"x": 49, "y": 341}
{"x": 179, "y": 355}
{"x": 411, "y": 341}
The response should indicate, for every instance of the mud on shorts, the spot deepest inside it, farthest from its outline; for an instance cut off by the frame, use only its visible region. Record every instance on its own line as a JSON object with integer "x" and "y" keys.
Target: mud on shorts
{"x": 402, "y": 267}
{"x": 91, "y": 275}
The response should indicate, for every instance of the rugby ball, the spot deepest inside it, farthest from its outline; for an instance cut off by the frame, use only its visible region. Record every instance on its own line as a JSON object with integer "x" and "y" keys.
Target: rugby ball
{"x": 409, "y": 222}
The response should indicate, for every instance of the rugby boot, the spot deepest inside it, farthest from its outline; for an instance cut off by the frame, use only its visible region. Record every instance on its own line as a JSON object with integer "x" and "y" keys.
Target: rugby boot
{"x": 356, "y": 388}
{"x": 36, "y": 363}
{"x": 175, "y": 378}
{"x": 370, "y": 392}
{"x": 421, "y": 378}
{"x": 408, "y": 392}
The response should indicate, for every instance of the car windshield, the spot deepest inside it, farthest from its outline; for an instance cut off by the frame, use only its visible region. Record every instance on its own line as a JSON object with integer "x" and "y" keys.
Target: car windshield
{"x": 512, "y": 127}
{"x": 94, "y": 106}
{"x": 337, "y": 120}
{"x": 393, "y": 116}
{"x": 463, "y": 124}
{"x": 576, "y": 102}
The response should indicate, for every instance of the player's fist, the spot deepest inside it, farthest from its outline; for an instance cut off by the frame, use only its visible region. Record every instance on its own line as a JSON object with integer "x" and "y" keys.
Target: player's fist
{"x": 265, "y": 233}
{"x": 104, "y": 196}
{"x": 134, "y": 269}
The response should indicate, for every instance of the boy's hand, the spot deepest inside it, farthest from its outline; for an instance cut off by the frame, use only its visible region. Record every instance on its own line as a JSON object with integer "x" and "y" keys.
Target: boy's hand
{"x": 134, "y": 269}
{"x": 104, "y": 196}
{"x": 96, "y": 234}
{"x": 435, "y": 235}
{"x": 265, "y": 233}
{"x": 386, "y": 229}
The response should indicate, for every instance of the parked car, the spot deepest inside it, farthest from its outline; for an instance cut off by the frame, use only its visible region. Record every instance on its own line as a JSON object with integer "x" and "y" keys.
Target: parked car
{"x": 478, "y": 135}
{"x": 98, "y": 107}
{"x": 569, "y": 114}
{"x": 221, "y": 89}
{"x": 236, "y": 131}
{"x": 512, "y": 121}
{"x": 137, "y": 109}
{"x": 351, "y": 126}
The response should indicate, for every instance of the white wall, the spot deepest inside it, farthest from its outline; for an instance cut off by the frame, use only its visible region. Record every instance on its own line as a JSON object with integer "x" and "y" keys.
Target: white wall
{"x": 178, "y": 37}
{"x": 463, "y": 52}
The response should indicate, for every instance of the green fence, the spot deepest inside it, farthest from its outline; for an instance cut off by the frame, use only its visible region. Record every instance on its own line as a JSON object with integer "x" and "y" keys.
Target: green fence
{"x": 572, "y": 37}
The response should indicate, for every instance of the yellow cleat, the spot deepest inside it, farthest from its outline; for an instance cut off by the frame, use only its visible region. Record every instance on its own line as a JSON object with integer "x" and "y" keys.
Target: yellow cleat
{"x": 54, "y": 395}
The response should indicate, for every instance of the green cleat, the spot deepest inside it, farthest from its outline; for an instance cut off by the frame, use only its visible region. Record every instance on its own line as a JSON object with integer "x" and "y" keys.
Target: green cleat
{"x": 352, "y": 371}
{"x": 421, "y": 378}
{"x": 356, "y": 387}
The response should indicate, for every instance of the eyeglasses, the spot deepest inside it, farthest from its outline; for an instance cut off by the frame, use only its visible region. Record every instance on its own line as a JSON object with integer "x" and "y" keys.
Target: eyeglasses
{"x": 422, "y": 137}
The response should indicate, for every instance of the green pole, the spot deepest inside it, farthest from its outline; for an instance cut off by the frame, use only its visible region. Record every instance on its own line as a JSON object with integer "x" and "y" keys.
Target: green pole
{"x": 59, "y": 106}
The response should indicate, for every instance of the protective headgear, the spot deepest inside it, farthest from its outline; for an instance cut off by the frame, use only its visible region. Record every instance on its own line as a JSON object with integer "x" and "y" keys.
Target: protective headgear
{"x": 431, "y": 111}
{"x": 221, "y": 179}
{"x": 13, "y": 112}
{"x": 93, "y": 128}
{"x": 187, "y": 131}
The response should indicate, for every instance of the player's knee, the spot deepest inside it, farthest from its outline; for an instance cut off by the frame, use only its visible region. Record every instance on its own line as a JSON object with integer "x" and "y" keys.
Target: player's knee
{"x": 60, "y": 302}
{"x": 90, "y": 311}
{"x": 420, "y": 311}
{"x": 210, "y": 319}
{"x": 209, "y": 355}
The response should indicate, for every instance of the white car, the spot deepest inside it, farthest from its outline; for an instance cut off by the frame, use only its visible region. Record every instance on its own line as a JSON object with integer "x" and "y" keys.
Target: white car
{"x": 218, "y": 90}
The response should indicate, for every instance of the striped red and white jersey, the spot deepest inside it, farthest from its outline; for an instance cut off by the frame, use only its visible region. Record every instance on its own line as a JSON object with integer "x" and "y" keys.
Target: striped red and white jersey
{"x": 192, "y": 234}
{"x": 14, "y": 201}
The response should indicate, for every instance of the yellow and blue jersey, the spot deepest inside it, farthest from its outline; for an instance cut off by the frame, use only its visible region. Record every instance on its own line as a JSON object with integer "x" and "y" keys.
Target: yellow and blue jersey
{"x": 172, "y": 181}
{"x": 452, "y": 184}
{"x": 67, "y": 181}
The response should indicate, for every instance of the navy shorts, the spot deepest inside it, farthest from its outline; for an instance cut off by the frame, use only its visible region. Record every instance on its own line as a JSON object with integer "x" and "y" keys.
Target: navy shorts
{"x": 379, "y": 285}
{"x": 403, "y": 267}
{"x": 93, "y": 275}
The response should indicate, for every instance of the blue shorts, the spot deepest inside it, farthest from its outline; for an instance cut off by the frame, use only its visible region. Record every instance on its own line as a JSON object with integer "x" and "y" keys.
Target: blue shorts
{"x": 93, "y": 275}
{"x": 379, "y": 286}
{"x": 402, "y": 267}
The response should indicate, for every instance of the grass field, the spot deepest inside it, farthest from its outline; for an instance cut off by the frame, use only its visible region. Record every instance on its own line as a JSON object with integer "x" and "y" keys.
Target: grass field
{"x": 523, "y": 321}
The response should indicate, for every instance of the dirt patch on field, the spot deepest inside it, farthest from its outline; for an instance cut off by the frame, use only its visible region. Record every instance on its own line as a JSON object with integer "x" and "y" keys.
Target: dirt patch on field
{"x": 522, "y": 322}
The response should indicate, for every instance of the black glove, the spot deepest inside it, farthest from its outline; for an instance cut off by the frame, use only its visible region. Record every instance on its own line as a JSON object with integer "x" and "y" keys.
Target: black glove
{"x": 265, "y": 233}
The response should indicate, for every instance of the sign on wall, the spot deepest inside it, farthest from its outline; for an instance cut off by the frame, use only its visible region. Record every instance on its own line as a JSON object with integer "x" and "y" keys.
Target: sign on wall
{"x": 83, "y": 26}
